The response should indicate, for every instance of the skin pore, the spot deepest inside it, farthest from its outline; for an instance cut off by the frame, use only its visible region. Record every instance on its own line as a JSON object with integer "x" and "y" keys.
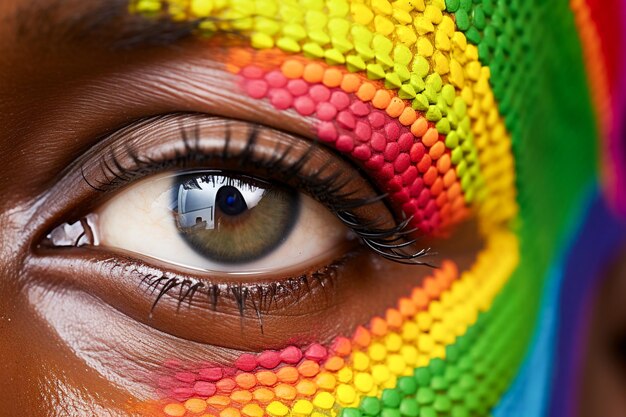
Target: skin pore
{"x": 76, "y": 324}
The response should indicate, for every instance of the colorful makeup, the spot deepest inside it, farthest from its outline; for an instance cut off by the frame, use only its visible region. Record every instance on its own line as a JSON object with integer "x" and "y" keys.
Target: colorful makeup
{"x": 412, "y": 107}
{"x": 394, "y": 363}
{"x": 431, "y": 99}
{"x": 416, "y": 174}
{"x": 422, "y": 125}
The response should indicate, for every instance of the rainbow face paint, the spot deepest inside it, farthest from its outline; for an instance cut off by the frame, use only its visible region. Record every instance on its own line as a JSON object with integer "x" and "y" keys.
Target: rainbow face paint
{"x": 376, "y": 129}
{"x": 380, "y": 359}
{"x": 447, "y": 105}
{"x": 434, "y": 97}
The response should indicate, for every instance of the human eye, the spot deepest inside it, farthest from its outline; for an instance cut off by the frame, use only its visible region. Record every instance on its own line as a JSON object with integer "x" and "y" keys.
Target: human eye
{"x": 230, "y": 218}
{"x": 221, "y": 223}
{"x": 311, "y": 208}
{"x": 231, "y": 221}
{"x": 207, "y": 247}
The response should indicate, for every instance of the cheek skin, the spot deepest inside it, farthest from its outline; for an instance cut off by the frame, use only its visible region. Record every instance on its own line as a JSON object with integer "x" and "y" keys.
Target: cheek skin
{"x": 418, "y": 332}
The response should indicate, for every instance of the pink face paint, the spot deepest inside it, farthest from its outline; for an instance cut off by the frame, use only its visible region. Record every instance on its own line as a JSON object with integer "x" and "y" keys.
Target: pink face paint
{"x": 404, "y": 154}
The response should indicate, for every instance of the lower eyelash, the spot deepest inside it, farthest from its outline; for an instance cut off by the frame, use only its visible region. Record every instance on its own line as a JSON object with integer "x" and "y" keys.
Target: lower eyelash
{"x": 258, "y": 296}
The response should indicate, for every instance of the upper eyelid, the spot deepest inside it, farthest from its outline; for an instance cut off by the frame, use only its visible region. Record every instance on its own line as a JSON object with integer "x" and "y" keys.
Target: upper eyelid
{"x": 156, "y": 134}
{"x": 170, "y": 135}
{"x": 181, "y": 140}
{"x": 158, "y": 138}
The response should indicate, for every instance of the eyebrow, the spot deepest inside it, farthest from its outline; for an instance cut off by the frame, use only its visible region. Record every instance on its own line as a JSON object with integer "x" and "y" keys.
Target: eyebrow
{"x": 105, "y": 23}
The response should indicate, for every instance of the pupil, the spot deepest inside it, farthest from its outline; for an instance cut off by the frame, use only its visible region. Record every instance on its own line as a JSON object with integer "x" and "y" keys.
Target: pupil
{"x": 230, "y": 201}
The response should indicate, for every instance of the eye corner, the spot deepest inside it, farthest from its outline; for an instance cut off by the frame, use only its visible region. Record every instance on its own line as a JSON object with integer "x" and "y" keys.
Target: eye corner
{"x": 77, "y": 233}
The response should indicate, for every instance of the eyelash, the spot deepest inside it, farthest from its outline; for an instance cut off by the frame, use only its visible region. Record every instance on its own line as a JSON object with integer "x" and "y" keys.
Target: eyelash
{"x": 259, "y": 296}
{"x": 389, "y": 243}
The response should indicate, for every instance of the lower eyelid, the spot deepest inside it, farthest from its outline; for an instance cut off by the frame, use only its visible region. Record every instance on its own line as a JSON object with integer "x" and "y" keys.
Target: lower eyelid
{"x": 123, "y": 282}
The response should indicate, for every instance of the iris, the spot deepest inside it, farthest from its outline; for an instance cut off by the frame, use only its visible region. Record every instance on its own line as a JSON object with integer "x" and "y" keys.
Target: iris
{"x": 230, "y": 219}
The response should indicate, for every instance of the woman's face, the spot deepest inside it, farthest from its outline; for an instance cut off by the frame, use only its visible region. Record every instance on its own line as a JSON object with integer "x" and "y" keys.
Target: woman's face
{"x": 249, "y": 208}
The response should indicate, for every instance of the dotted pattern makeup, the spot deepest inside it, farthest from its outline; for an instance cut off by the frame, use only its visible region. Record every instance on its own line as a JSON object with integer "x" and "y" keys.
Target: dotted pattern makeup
{"x": 472, "y": 76}
{"x": 404, "y": 152}
{"x": 398, "y": 88}
{"x": 424, "y": 79}
{"x": 392, "y": 366}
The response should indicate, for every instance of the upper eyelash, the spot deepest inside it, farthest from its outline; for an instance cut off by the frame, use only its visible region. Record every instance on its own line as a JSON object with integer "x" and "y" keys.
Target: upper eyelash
{"x": 390, "y": 243}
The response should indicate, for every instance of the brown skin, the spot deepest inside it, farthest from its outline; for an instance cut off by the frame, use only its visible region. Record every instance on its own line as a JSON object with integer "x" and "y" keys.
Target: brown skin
{"x": 604, "y": 373}
{"x": 76, "y": 333}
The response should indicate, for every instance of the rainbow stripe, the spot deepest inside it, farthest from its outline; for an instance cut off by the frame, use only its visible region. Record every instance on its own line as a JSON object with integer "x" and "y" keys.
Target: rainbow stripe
{"x": 599, "y": 26}
{"x": 359, "y": 374}
{"x": 469, "y": 99}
